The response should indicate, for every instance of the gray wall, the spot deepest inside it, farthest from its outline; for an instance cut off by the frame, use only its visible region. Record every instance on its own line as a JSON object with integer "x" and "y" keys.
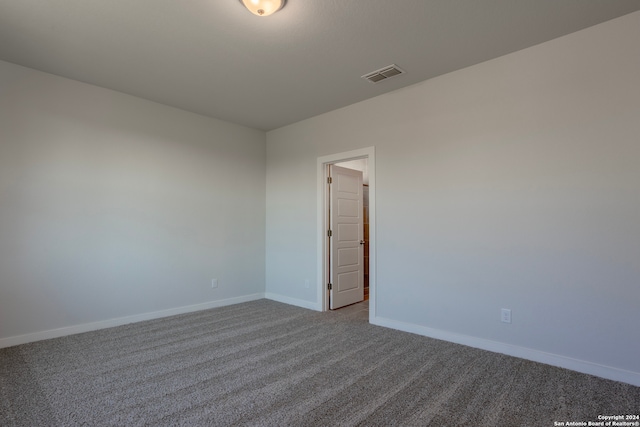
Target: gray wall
{"x": 113, "y": 206}
{"x": 514, "y": 183}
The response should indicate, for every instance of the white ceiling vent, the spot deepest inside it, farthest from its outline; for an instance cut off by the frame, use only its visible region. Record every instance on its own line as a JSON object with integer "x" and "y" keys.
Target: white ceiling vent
{"x": 383, "y": 73}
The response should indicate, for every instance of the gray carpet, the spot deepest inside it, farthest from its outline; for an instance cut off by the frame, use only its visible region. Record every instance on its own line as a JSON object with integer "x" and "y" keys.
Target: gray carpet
{"x": 265, "y": 363}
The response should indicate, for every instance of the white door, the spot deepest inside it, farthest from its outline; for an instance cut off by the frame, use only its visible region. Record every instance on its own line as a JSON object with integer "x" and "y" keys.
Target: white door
{"x": 346, "y": 261}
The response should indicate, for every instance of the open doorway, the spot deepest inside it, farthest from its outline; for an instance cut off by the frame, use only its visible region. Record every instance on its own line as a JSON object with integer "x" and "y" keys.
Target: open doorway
{"x": 362, "y": 165}
{"x": 348, "y": 246}
{"x": 363, "y": 159}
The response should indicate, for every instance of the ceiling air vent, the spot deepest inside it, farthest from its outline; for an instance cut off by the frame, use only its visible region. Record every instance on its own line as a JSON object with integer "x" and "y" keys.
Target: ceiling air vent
{"x": 383, "y": 73}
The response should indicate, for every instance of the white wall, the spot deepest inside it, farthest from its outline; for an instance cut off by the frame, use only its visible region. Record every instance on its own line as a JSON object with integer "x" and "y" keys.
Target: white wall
{"x": 359, "y": 165}
{"x": 514, "y": 183}
{"x": 113, "y": 206}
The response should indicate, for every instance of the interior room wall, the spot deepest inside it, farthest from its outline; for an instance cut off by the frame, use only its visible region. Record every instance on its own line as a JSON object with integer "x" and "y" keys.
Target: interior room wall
{"x": 359, "y": 165}
{"x": 113, "y": 206}
{"x": 510, "y": 184}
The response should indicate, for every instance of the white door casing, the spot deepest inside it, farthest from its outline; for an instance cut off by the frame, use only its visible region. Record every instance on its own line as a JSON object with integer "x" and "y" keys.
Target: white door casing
{"x": 346, "y": 250}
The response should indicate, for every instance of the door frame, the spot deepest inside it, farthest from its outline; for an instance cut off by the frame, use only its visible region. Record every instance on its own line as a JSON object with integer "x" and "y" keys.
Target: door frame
{"x": 323, "y": 223}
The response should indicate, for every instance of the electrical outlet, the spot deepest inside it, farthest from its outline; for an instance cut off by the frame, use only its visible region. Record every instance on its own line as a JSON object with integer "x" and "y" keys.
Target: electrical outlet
{"x": 307, "y": 283}
{"x": 214, "y": 283}
{"x": 505, "y": 315}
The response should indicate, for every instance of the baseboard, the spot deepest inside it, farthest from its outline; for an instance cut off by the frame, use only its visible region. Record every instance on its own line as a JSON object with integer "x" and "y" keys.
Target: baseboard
{"x": 293, "y": 301}
{"x": 560, "y": 361}
{"x": 103, "y": 324}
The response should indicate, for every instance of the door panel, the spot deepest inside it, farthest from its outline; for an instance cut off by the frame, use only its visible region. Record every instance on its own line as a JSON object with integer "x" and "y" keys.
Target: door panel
{"x": 347, "y": 257}
{"x": 346, "y": 251}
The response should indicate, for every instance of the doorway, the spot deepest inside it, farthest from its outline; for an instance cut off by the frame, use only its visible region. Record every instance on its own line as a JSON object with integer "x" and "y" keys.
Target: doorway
{"x": 362, "y": 166}
{"x": 345, "y": 236}
{"x": 323, "y": 242}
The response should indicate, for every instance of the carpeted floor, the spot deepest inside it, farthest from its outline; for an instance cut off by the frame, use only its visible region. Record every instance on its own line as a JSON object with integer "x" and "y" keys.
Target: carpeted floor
{"x": 265, "y": 363}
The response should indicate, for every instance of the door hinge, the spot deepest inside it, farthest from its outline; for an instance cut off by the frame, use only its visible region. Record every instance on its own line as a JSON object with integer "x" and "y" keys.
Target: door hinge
{"x": 329, "y": 233}
{"x": 329, "y": 286}
{"x": 329, "y": 180}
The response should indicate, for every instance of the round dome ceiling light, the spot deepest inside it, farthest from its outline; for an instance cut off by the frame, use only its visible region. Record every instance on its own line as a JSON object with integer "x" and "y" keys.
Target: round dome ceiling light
{"x": 263, "y": 7}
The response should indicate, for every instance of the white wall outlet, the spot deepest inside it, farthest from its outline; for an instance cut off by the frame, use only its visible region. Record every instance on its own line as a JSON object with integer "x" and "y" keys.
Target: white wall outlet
{"x": 307, "y": 283}
{"x": 505, "y": 315}
{"x": 214, "y": 283}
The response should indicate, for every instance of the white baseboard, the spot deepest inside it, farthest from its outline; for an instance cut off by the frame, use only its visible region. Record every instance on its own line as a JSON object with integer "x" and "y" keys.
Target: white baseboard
{"x": 583, "y": 366}
{"x": 293, "y": 301}
{"x": 86, "y": 327}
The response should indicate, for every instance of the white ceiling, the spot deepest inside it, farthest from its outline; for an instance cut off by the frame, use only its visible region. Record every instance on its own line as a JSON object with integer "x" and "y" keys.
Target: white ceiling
{"x": 215, "y": 58}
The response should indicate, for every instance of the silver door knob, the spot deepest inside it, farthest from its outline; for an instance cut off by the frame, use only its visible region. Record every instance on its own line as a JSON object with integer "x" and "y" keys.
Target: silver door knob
{"x": 362, "y": 242}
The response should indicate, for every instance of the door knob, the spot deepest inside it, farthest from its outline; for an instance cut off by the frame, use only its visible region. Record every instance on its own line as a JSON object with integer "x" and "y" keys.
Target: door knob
{"x": 362, "y": 242}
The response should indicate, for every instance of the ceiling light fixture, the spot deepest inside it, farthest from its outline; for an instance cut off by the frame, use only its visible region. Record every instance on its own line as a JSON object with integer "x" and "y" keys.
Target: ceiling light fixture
{"x": 263, "y": 7}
